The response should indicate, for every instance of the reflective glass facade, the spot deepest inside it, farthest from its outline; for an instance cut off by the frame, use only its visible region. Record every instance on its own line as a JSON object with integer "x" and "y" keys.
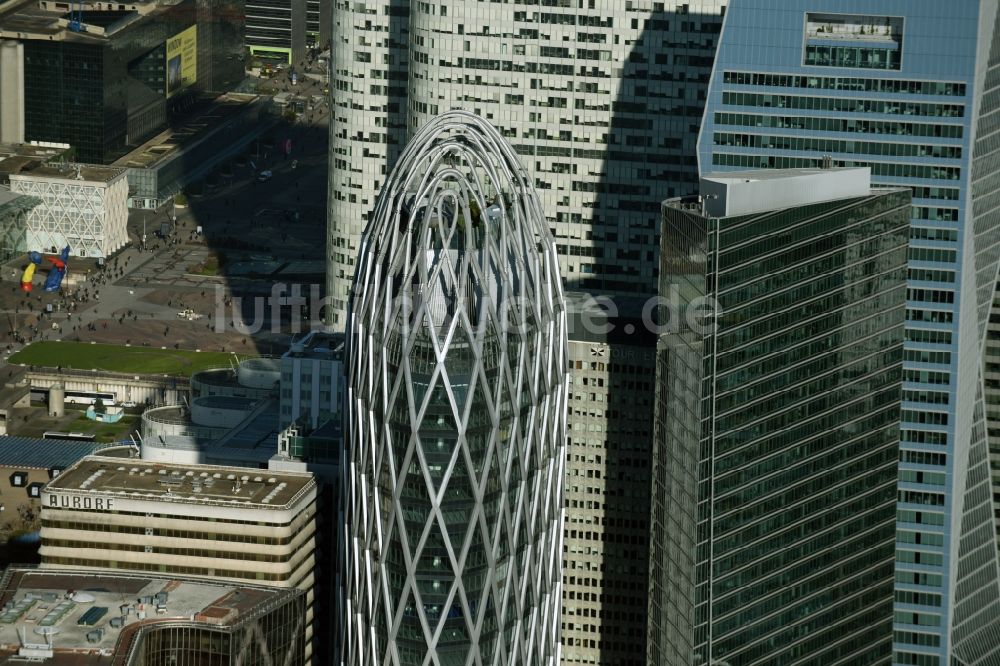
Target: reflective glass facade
{"x": 105, "y": 95}
{"x": 14, "y": 212}
{"x": 454, "y": 473}
{"x": 276, "y": 630}
{"x": 929, "y": 124}
{"x": 276, "y": 29}
{"x": 777, "y": 433}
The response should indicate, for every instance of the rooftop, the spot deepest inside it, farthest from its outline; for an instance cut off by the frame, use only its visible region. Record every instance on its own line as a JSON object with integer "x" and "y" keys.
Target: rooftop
{"x": 224, "y": 402}
{"x": 318, "y": 345}
{"x": 728, "y": 193}
{"x": 30, "y": 452}
{"x": 607, "y": 319}
{"x": 204, "y": 484}
{"x": 82, "y": 172}
{"x": 216, "y": 377}
{"x": 19, "y": 157}
{"x": 253, "y": 441}
{"x": 45, "y": 19}
{"x": 47, "y": 608}
{"x": 172, "y": 141}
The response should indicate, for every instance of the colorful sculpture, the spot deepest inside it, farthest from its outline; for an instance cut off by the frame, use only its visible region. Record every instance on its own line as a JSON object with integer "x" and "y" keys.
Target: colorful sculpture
{"x": 34, "y": 259}
{"x": 58, "y": 272}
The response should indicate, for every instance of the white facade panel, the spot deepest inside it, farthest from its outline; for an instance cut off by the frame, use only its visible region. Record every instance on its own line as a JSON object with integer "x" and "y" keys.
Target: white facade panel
{"x": 88, "y": 215}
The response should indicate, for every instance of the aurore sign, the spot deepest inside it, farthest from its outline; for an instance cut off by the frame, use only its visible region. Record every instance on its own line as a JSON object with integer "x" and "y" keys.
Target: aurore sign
{"x": 76, "y": 502}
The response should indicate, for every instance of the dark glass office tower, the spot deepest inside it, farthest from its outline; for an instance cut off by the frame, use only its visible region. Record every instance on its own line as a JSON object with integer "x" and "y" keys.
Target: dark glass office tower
{"x": 777, "y": 429}
{"x": 120, "y": 80}
{"x": 276, "y": 29}
{"x": 910, "y": 88}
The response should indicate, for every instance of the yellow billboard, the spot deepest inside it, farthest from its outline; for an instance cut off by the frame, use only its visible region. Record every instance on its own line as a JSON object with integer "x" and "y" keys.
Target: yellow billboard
{"x": 182, "y": 60}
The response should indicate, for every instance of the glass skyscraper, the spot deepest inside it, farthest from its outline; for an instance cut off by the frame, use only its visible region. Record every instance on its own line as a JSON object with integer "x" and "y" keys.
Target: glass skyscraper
{"x": 910, "y": 88}
{"x": 105, "y": 92}
{"x": 453, "y": 481}
{"x": 778, "y": 408}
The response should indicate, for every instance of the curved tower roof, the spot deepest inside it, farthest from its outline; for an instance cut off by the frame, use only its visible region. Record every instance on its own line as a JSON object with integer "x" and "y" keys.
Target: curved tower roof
{"x": 453, "y": 481}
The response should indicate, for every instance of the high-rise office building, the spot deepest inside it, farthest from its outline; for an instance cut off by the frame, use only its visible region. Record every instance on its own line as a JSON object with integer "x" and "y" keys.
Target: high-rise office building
{"x": 778, "y": 424}
{"x": 602, "y": 103}
{"x": 991, "y": 383}
{"x": 455, "y": 459}
{"x": 612, "y": 365}
{"x": 121, "y": 77}
{"x": 312, "y": 380}
{"x": 318, "y": 22}
{"x": 910, "y": 89}
{"x": 281, "y": 30}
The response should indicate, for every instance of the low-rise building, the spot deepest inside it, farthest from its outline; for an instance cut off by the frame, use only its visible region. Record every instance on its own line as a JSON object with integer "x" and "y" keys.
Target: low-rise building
{"x": 109, "y": 618}
{"x": 312, "y": 379}
{"x": 184, "y": 154}
{"x": 26, "y": 465}
{"x": 82, "y": 206}
{"x": 204, "y": 522}
{"x": 231, "y": 418}
{"x": 15, "y": 393}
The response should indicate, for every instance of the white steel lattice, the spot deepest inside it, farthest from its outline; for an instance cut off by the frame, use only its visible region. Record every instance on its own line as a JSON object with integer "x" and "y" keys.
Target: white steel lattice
{"x": 453, "y": 477}
{"x": 89, "y": 216}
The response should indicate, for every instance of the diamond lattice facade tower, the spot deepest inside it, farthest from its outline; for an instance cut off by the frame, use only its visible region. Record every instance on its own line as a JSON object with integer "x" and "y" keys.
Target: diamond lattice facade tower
{"x": 910, "y": 88}
{"x": 454, "y": 470}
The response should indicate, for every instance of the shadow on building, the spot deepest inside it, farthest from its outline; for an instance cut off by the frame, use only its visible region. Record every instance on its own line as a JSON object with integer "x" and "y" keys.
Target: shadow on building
{"x": 651, "y": 156}
{"x": 605, "y": 576}
{"x": 652, "y": 147}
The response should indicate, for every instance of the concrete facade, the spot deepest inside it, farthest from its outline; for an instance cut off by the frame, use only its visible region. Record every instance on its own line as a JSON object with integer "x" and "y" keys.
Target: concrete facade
{"x": 205, "y": 522}
{"x": 312, "y": 380}
{"x": 612, "y": 363}
{"x": 601, "y": 100}
{"x": 11, "y": 91}
{"x": 136, "y": 388}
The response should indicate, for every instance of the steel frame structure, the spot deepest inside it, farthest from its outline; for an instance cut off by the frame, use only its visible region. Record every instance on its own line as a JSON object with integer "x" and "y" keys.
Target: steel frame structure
{"x": 453, "y": 473}
{"x": 89, "y": 216}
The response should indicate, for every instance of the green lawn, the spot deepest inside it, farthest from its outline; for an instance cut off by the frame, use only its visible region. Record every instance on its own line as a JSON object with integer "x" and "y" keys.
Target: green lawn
{"x": 115, "y": 358}
{"x": 106, "y": 432}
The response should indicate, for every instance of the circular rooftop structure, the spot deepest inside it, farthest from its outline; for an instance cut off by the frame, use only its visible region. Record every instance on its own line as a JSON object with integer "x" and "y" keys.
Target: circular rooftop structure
{"x": 254, "y": 378}
{"x": 220, "y": 411}
{"x": 260, "y": 373}
{"x": 177, "y": 420}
